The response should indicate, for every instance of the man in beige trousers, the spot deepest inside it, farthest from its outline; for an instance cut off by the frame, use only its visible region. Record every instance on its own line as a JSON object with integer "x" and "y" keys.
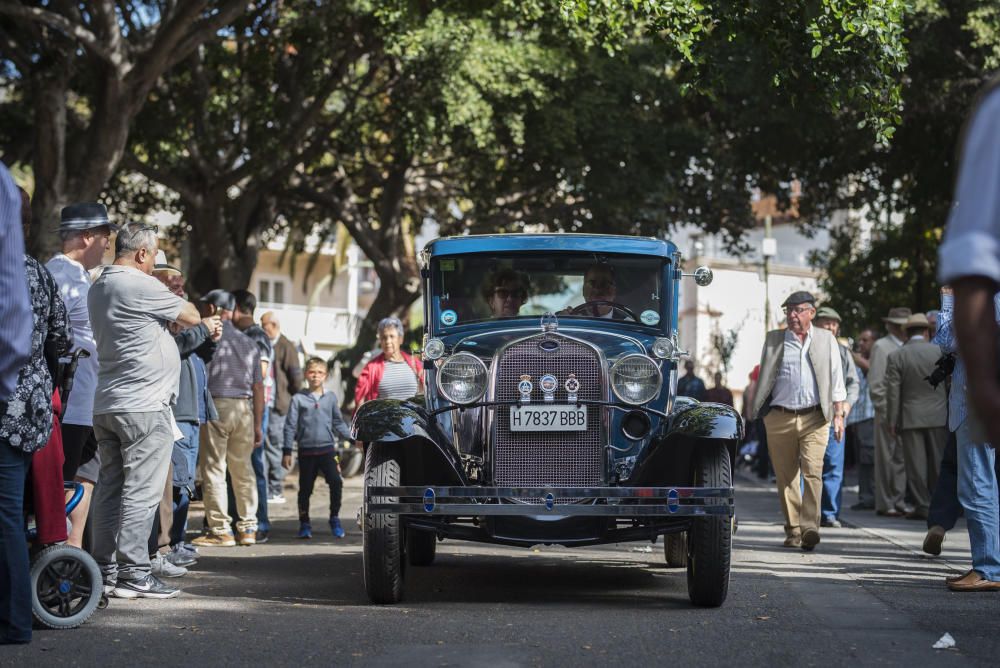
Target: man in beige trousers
{"x": 890, "y": 469}
{"x": 917, "y": 412}
{"x": 799, "y": 393}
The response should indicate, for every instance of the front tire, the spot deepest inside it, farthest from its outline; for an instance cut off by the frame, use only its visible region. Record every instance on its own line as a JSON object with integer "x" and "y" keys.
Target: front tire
{"x": 710, "y": 539}
{"x": 383, "y": 534}
{"x": 421, "y": 547}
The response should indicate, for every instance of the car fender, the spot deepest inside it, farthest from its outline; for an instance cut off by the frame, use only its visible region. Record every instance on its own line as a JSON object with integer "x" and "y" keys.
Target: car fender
{"x": 424, "y": 447}
{"x": 668, "y": 458}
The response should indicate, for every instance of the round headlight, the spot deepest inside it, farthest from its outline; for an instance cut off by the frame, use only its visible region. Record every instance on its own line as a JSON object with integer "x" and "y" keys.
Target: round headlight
{"x": 462, "y": 378}
{"x": 663, "y": 348}
{"x": 433, "y": 349}
{"x": 635, "y": 379}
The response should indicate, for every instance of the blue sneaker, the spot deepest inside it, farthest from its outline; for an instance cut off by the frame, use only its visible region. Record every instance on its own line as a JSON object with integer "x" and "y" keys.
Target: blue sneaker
{"x": 338, "y": 531}
{"x": 305, "y": 530}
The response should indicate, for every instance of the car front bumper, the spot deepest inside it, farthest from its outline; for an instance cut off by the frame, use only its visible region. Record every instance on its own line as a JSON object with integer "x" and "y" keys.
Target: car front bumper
{"x": 552, "y": 501}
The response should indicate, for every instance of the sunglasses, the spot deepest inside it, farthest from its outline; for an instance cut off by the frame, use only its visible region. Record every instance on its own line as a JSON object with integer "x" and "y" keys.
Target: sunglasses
{"x": 508, "y": 293}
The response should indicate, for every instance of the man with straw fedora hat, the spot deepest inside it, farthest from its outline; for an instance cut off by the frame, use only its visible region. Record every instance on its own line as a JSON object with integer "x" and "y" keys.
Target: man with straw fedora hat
{"x": 890, "y": 469}
{"x": 917, "y": 412}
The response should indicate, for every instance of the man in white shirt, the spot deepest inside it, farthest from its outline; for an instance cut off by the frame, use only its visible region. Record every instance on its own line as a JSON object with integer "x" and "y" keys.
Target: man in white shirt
{"x": 800, "y": 392}
{"x": 86, "y": 235}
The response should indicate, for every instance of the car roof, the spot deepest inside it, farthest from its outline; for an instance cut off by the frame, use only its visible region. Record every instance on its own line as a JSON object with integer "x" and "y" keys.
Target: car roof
{"x": 603, "y": 243}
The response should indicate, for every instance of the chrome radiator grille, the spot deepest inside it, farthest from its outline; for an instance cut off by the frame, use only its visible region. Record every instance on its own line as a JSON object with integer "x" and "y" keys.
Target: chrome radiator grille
{"x": 559, "y": 459}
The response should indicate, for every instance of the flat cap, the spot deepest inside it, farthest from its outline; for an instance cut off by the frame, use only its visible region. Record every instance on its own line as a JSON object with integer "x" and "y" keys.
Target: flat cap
{"x": 828, "y": 313}
{"x": 799, "y": 297}
{"x": 85, "y": 216}
{"x": 221, "y": 299}
{"x": 898, "y": 315}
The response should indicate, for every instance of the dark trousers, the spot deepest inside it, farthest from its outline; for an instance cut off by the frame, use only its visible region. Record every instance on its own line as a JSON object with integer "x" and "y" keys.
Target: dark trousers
{"x": 15, "y": 580}
{"x": 79, "y": 447}
{"x": 309, "y": 467}
{"x": 945, "y": 508}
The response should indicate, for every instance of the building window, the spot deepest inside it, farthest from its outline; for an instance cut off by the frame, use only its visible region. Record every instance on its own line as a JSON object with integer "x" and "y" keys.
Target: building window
{"x": 271, "y": 291}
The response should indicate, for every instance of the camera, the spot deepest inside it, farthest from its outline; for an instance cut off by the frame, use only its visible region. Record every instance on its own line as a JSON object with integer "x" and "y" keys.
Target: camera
{"x": 942, "y": 369}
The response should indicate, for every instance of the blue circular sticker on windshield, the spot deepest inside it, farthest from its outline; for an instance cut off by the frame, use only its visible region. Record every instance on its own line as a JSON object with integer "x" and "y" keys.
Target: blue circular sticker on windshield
{"x": 448, "y": 318}
{"x": 649, "y": 317}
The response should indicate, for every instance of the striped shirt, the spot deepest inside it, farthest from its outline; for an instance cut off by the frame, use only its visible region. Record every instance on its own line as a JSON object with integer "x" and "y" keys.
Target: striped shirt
{"x": 15, "y": 306}
{"x": 398, "y": 381}
{"x": 863, "y": 408}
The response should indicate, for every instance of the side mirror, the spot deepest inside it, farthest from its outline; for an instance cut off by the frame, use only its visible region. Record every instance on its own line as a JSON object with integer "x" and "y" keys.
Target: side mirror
{"x": 702, "y": 276}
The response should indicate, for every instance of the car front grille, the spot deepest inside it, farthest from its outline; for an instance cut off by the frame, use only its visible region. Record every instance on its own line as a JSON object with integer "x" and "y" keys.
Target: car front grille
{"x": 557, "y": 459}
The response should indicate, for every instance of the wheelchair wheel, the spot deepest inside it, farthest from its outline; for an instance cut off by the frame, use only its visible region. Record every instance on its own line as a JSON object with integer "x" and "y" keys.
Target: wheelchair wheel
{"x": 66, "y": 587}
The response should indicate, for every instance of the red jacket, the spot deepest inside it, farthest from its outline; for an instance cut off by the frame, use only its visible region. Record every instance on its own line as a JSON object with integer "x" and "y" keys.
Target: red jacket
{"x": 371, "y": 376}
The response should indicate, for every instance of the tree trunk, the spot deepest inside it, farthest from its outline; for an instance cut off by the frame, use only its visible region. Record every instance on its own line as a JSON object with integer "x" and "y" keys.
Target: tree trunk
{"x": 49, "y": 164}
{"x": 216, "y": 257}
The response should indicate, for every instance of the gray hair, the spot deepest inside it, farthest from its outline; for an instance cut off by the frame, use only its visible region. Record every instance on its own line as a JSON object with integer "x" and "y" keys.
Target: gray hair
{"x": 386, "y": 323}
{"x": 134, "y": 236}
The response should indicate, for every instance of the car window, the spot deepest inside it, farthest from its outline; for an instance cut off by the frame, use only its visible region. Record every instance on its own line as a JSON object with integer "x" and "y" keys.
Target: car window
{"x": 480, "y": 287}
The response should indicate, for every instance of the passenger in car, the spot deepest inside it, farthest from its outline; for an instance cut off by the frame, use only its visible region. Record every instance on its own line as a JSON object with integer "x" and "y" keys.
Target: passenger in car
{"x": 506, "y": 290}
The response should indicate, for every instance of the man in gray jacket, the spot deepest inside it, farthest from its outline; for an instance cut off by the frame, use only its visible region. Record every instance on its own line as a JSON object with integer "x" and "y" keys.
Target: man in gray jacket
{"x": 799, "y": 393}
{"x": 833, "y": 460}
{"x": 917, "y": 412}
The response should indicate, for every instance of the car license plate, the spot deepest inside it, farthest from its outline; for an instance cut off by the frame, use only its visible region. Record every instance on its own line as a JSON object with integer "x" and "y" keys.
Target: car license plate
{"x": 548, "y": 418}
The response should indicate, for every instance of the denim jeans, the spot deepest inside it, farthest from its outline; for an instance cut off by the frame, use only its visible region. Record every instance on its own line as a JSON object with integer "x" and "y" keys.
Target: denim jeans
{"x": 274, "y": 438}
{"x": 833, "y": 477}
{"x": 185, "y": 460}
{"x": 977, "y": 491}
{"x": 945, "y": 507}
{"x": 15, "y": 581}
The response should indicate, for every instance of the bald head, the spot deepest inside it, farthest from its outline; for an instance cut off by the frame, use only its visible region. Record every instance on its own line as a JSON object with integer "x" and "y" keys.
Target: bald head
{"x": 270, "y": 323}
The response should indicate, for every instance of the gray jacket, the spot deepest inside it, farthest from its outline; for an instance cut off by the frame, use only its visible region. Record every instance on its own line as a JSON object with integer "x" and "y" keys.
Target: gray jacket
{"x": 191, "y": 344}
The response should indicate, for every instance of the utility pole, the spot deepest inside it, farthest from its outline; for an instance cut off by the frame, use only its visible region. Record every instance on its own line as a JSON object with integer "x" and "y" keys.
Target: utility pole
{"x": 769, "y": 248}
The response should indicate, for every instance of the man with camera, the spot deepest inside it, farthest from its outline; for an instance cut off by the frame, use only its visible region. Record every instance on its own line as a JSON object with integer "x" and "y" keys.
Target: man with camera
{"x": 917, "y": 411}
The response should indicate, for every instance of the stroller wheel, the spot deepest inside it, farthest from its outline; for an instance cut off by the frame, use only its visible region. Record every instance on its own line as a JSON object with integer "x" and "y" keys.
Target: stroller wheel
{"x": 66, "y": 587}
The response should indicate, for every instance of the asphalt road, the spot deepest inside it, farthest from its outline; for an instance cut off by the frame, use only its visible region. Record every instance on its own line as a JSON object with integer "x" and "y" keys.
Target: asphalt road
{"x": 865, "y": 596}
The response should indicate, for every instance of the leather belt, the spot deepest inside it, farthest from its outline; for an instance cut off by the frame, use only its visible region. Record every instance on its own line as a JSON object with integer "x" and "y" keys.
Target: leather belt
{"x": 797, "y": 411}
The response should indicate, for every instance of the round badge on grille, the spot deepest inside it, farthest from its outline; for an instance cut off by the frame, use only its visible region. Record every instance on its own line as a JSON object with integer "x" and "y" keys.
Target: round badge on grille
{"x": 548, "y": 383}
{"x": 525, "y": 387}
{"x": 549, "y": 345}
{"x": 572, "y": 386}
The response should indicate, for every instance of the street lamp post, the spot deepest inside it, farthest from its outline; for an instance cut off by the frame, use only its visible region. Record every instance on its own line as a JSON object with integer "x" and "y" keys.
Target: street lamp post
{"x": 769, "y": 248}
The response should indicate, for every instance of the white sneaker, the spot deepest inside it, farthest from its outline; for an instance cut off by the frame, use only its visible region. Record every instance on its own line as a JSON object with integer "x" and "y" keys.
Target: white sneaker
{"x": 276, "y": 500}
{"x": 162, "y": 568}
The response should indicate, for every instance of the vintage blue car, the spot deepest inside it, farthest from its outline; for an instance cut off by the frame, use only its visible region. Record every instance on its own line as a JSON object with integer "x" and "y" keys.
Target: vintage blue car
{"x": 549, "y": 413}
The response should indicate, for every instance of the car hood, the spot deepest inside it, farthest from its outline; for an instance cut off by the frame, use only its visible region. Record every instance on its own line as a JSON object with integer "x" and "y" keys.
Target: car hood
{"x": 485, "y": 344}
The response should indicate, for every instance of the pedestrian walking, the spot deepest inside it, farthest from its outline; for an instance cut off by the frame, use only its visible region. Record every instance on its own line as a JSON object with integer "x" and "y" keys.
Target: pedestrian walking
{"x": 861, "y": 424}
{"x": 287, "y": 383}
{"x": 19, "y": 346}
{"x": 690, "y": 385}
{"x": 85, "y": 234}
{"x": 799, "y": 394}
{"x": 833, "y": 459}
{"x": 890, "y": 469}
{"x": 315, "y": 424}
{"x": 917, "y": 411}
{"x": 136, "y": 385}
{"x": 970, "y": 263}
{"x": 236, "y": 384}
{"x": 719, "y": 394}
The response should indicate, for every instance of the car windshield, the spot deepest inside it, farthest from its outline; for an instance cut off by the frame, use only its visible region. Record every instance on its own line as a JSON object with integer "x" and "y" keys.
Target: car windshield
{"x": 480, "y": 287}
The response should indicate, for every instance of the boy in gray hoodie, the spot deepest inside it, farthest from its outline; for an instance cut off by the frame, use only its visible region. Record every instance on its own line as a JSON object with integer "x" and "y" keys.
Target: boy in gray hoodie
{"x": 315, "y": 423}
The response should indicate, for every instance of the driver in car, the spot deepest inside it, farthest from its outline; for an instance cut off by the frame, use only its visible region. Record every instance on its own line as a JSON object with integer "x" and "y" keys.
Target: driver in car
{"x": 506, "y": 291}
{"x": 600, "y": 292}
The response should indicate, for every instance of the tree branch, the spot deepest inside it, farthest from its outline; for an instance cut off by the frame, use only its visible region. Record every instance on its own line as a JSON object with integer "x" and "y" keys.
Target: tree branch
{"x": 59, "y": 22}
{"x": 164, "y": 178}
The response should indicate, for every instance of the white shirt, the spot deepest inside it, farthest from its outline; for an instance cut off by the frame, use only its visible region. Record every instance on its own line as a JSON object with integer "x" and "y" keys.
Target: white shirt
{"x": 795, "y": 386}
{"x": 74, "y": 285}
{"x": 972, "y": 241}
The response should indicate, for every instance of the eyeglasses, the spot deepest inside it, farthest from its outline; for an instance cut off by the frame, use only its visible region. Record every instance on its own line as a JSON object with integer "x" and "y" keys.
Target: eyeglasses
{"x": 798, "y": 310}
{"x": 510, "y": 293}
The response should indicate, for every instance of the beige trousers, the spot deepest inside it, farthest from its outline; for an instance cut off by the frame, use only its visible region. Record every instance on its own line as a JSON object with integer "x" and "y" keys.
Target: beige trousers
{"x": 922, "y": 452}
{"x": 226, "y": 444}
{"x": 797, "y": 444}
{"x": 890, "y": 469}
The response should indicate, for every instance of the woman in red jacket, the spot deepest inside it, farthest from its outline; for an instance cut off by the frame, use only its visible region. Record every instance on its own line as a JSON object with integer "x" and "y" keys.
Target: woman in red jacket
{"x": 393, "y": 374}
